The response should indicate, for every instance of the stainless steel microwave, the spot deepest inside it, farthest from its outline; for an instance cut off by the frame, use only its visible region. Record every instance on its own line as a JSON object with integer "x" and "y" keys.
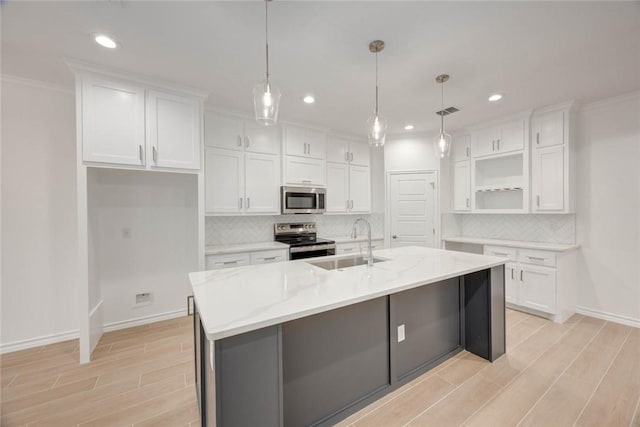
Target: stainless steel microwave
{"x": 302, "y": 200}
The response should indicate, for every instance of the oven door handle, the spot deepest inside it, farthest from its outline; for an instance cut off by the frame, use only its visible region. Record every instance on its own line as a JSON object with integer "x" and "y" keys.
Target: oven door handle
{"x": 311, "y": 248}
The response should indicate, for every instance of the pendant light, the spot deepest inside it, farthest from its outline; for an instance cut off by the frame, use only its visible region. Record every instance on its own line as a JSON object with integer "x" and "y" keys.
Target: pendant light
{"x": 377, "y": 126}
{"x": 266, "y": 98}
{"x": 443, "y": 140}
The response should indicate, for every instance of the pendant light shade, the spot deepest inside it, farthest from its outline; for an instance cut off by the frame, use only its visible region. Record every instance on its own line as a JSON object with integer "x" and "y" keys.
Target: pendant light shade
{"x": 376, "y": 125}
{"x": 266, "y": 97}
{"x": 443, "y": 140}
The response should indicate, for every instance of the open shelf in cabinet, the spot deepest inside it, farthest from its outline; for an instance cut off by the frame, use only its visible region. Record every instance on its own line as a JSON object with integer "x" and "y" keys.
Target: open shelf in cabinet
{"x": 500, "y": 183}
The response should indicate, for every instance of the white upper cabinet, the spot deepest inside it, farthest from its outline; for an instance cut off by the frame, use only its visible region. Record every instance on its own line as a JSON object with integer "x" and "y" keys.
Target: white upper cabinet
{"x": 224, "y": 181}
{"x": 113, "y": 122}
{"x": 548, "y": 129}
{"x": 498, "y": 139}
{"x": 261, "y": 139}
{"x": 223, "y": 132}
{"x": 304, "y": 171}
{"x": 462, "y": 186}
{"x": 360, "y": 154}
{"x": 173, "y": 131}
{"x": 547, "y": 172}
{"x": 461, "y": 148}
{"x": 304, "y": 142}
{"x": 340, "y": 150}
{"x": 261, "y": 183}
{"x": 131, "y": 125}
{"x": 359, "y": 189}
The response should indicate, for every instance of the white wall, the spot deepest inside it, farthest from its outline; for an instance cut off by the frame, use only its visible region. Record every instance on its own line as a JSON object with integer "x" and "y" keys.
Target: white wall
{"x": 39, "y": 292}
{"x": 410, "y": 152}
{"x": 608, "y": 207}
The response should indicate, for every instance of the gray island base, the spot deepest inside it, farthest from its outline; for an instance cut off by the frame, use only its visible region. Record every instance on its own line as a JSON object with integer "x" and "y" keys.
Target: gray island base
{"x": 321, "y": 368}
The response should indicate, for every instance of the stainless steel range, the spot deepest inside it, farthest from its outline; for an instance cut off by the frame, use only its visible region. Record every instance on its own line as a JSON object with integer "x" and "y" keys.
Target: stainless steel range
{"x": 302, "y": 240}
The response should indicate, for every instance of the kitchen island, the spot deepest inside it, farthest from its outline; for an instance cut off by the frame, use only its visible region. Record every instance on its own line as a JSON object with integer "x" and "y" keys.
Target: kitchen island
{"x": 293, "y": 343}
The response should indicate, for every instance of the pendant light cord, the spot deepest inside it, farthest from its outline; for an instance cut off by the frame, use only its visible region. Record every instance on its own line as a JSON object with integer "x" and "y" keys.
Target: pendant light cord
{"x": 266, "y": 35}
{"x": 442, "y": 108}
{"x": 376, "y": 84}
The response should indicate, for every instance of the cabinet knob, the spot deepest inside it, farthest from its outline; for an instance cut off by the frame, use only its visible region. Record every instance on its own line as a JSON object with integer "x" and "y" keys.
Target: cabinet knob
{"x": 394, "y": 237}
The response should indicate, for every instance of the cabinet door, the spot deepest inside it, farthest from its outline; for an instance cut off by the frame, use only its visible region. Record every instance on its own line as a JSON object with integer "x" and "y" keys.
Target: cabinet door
{"x": 462, "y": 186}
{"x": 511, "y": 283}
{"x": 218, "y": 262}
{"x": 224, "y": 181}
{"x": 484, "y": 141}
{"x": 261, "y": 183}
{"x": 548, "y": 129}
{"x": 547, "y": 178}
{"x": 223, "y": 132}
{"x": 511, "y": 136}
{"x": 359, "y": 189}
{"x": 173, "y": 131}
{"x": 337, "y": 198}
{"x": 337, "y": 150}
{"x": 537, "y": 288}
{"x": 295, "y": 141}
{"x": 360, "y": 154}
{"x": 316, "y": 144}
{"x": 112, "y": 122}
{"x": 262, "y": 139}
{"x": 304, "y": 171}
{"x": 461, "y": 148}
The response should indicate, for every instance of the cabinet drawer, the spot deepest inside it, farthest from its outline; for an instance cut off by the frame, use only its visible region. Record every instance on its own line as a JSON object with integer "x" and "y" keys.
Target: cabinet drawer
{"x": 526, "y": 256}
{"x": 266, "y": 257}
{"x": 217, "y": 262}
{"x": 351, "y": 248}
{"x": 501, "y": 251}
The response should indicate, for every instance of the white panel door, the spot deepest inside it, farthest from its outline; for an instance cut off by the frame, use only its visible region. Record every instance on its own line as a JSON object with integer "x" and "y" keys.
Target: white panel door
{"x": 337, "y": 197}
{"x": 224, "y": 181}
{"x": 461, "y": 148}
{"x": 547, "y": 178}
{"x": 511, "y": 282}
{"x": 262, "y": 139}
{"x": 462, "y": 186}
{"x": 223, "y": 132}
{"x": 304, "y": 171}
{"x": 337, "y": 150}
{"x": 261, "y": 183}
{"x": 360, "y": 189}
{"x": 548, "y": 129}
{"x": 113, "y": 122}
{"x": 173, "y": 131}
{"x": 316, "y": 144}
{"x": 412, "y": 207}
{"x": 537, "y": 288}
{"x": 360, "y": 154}
{"x": 484, "y": 141}
{"x": 511, "y": 136}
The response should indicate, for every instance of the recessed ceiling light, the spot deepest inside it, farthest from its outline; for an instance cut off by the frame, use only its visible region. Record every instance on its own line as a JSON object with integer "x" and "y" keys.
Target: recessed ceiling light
{"x": 309, "y": 99}
{"x": 105, "y": 41}
{"x": 408, "y": 127}
{"x": 495, "y": 97}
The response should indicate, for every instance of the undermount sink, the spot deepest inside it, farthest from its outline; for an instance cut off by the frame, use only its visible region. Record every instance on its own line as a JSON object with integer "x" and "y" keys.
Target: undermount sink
{"x": 345, "y": 262}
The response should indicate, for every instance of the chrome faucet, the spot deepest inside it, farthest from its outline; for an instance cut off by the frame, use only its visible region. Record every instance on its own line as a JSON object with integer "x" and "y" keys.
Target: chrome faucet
{"x": 354, "y": 234}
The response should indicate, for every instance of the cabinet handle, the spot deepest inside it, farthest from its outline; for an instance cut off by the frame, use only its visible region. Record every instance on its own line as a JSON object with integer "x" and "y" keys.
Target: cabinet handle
{"x": 347, "y": 249}
{"x": 248, "y": 202}
{"x": 309, "y": 145}
{"x": 305, "y": 181}
{"x": 230, "y": 262}
{"x": 468, "y": 152}
{"x": 537, "y": 137}
{"x": 351, "y": 157}
{"x": 498, "y": 144}
{"x": 271, "y": 258}
{"x": 537, "y": 258}
{"x": 538, "y": 201}
{"x": 240, "y": 203}
{"x": 352, "y": 204}
{"x": 468, "y": 203}
{"x": 521, "y": 271}
{"x": 140, "y": 153}
{"x": 190, "y": 304}
{"x": 347, "y": 202}
{"x": 500, "y": 254}
{"x": 394, "y": 237}
{"x": 512, "y": 270}
{"x": 247, "y": 143}
{"x": 155, "y": 155}
{"x": 239, "y": 141}
{"x": 493, "y": 145}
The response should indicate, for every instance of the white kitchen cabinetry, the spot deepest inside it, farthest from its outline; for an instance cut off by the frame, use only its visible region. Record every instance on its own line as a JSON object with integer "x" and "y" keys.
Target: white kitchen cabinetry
{"x": 359, "y": 189}
{"x": 537, "y": 288}
{"x": 340, "y": 150}
{"x": 552, "y": 161}
{"x": 348, "y": 176}
{"x": 236, "y": 134}
{"x": 132, "y": 125}
{"x": 502, "y": 138}
{"x": 461, "y": 147}
{"x": 304, "y": 160}
{"x": 358, "y": 247}
{"x": 218, "y": 262}
{"x": 337, "y": 197}
{"x": 462, "y": 186}
{"x": 304, "y": 142}
{"x": 304, "y": 171}
{"x": 261, "y": 183}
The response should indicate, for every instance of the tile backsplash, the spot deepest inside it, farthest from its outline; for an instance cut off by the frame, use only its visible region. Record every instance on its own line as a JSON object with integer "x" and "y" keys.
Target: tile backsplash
{"x": 225, "y": 230}
{"x": 553, "y": 228}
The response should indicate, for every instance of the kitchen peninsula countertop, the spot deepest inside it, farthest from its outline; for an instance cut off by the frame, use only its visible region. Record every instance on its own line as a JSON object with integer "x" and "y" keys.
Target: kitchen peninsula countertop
{"x": 243, "y": 299}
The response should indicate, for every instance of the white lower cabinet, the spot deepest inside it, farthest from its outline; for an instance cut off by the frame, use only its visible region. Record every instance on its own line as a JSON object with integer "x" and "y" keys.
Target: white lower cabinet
{"x": 511, "y": 282}
{"x": 358, "y": 247}
{"x": 218, "y": 262}
{"x": 547, "y": 179}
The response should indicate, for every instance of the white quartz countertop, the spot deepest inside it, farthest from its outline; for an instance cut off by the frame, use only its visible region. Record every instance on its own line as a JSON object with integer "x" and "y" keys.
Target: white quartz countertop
{"x": 243, "y": 247}
{"x": 243, "y": 299}
{"x": 555, "y": 247}
{"x": 348, "y": 239}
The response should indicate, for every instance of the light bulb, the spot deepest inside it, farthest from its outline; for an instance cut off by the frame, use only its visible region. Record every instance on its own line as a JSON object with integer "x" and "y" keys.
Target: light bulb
{"x": 267, "y": 99}
{"x": 443, "y": 144}
{"x": 377, "y": 130}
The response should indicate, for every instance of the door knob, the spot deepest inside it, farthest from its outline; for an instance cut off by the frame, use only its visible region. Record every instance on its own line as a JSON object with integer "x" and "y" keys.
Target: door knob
{"x": 394, "y": 237}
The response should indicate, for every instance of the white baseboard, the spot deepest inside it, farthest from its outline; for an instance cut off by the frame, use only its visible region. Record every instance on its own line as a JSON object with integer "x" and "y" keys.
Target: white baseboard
{"x": 38, "y": 341}
{"x": 616, "y": 318}
{"x": 123, "y": 324}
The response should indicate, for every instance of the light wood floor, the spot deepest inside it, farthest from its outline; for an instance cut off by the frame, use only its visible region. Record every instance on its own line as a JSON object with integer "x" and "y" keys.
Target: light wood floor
{"x": 585, "y": 372}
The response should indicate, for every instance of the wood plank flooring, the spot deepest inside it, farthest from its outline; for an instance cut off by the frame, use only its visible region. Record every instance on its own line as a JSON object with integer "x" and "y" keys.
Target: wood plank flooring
{"x": 585, "y": 372}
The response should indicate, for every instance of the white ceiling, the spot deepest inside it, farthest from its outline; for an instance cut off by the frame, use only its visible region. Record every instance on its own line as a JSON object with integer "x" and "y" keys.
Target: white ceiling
{"x": 536, "y": 53}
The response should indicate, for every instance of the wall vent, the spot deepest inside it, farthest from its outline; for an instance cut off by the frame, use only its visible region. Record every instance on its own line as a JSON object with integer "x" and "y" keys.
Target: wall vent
{"x": 447, "y": 111}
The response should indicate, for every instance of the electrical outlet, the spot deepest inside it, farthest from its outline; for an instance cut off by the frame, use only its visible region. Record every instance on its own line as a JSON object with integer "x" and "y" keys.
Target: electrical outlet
{"x": 126, "y": 233}
{"x": 142, "y": 299}
{"x": 401, "y": 333}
